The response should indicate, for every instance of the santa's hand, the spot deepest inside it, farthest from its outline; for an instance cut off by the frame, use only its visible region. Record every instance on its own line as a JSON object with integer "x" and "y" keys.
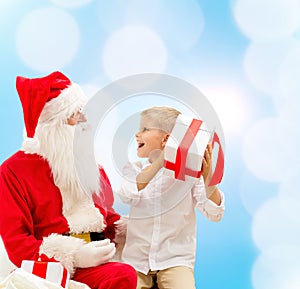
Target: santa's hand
{"x": 94, "y": 254}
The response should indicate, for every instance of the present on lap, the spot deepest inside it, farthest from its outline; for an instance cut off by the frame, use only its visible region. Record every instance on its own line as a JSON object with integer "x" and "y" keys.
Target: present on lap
{"x": 48, "y": 269}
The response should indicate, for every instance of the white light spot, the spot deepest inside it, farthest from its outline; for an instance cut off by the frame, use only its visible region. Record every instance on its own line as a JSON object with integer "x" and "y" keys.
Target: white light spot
{"x": 133, "y": 50}
{"x": 289, "y": 193}
{"x": 111, "y": 15}
{"x": 289, "y": 185}
{"x": 71, "y": 3}
{"x": 289, "y": 119}
{"x": 180, "y": 23}
{"x": 289, "y": 75}
{"x": 227, "y": 99}
{"x": 263, "y": 150}
{"x": 90, "y": 90}
{"x": 267, "y": 19}
{"x": 277, "y": 267}
{"x": 251, "y": 197}
{"x": 47, "y": 39}
{"x": 262, "y": 63}
{"x": 272, "y": 226}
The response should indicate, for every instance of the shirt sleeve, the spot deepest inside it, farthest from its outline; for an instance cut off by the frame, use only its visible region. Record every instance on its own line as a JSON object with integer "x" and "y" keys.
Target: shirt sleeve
{"x": 128, "y": 191}
{"x": 208, "y": 208}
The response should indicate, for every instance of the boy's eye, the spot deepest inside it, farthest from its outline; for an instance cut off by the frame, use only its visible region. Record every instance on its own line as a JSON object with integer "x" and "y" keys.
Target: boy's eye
{"x": 145, "y": 129}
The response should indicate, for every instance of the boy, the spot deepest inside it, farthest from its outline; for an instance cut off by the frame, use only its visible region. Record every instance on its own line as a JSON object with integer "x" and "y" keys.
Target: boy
{"x": 161, "y": 232}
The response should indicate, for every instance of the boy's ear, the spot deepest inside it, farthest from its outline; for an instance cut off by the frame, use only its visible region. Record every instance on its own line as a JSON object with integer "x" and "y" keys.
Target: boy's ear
{"x": 164, "y": 140}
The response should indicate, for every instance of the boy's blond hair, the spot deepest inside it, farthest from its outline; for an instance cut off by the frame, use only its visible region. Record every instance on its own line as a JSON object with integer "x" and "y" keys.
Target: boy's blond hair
{"x": 162, "y": 117}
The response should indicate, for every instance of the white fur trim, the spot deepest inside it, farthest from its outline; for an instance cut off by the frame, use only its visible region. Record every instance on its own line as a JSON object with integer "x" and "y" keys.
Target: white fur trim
{"x": 70, "y": 100}
{"x": 30, "y": 145}
{"x": 62, "y": 248}
{"x": 84, "y": 217}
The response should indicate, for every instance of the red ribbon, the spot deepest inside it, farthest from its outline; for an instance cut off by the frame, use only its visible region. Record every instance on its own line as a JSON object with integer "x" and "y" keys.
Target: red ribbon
{"x": 40, "y": 268}
{"x": 64, "y": 278}
{"x": 45, "y": 258}
{"x": 219, "y": 169}
{"x": 179, "y": 167}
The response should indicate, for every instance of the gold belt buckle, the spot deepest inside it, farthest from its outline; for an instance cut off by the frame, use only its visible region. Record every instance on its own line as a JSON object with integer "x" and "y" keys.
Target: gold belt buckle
{"x": 83, "y": 236}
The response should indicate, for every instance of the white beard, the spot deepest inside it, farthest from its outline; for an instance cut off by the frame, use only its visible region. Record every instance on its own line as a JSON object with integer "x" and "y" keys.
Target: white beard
{"x": 72, "y": 161}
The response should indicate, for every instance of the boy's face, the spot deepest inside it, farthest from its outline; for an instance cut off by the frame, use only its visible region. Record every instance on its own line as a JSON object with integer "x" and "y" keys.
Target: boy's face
{"x": 149, "y": 138}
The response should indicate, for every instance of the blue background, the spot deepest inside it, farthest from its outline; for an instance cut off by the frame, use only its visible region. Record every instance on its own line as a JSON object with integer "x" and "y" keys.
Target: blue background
{"x": 207, "y": 43}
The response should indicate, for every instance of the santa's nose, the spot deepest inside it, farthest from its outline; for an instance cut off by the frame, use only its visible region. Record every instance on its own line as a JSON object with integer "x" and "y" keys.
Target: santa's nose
{"x": 81, "y": 117}
{"x": 76, "y": 118}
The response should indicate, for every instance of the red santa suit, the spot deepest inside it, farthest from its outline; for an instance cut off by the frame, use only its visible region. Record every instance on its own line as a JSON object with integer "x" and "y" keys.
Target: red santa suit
{"x": 37, "y": 217}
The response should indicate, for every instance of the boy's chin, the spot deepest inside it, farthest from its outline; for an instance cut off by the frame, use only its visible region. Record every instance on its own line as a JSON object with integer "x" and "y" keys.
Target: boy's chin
{"x": 141, "y": 155}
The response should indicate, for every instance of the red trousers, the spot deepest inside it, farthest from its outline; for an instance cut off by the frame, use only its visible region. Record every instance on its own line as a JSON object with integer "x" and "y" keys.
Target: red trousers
{"x": 112, "y": 275}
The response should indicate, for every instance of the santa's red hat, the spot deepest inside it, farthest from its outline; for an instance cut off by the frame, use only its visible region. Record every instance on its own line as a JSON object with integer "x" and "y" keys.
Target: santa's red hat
{"x": 51, "y": 98}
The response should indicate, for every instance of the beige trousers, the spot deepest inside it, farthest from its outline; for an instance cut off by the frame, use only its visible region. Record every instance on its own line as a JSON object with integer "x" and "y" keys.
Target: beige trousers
{"x": 171, "y": 278}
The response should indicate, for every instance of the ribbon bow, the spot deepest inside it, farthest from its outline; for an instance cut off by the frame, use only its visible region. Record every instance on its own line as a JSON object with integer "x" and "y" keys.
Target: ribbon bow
{"x": 45, "y": 258}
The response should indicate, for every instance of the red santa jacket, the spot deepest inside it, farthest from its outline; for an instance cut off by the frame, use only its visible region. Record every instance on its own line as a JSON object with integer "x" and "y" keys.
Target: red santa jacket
{"x": 31, "y": 206}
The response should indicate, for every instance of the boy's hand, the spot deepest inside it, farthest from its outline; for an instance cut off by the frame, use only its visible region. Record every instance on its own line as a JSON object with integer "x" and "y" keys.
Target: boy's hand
{"x": 157, "y": 156}
{"x": 212, "y": 192}
{"x": 156, "y": 159}
{"x": 207, "y": 164}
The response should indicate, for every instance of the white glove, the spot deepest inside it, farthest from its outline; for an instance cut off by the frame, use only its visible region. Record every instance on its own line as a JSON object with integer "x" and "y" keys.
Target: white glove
{"x": 94, "y": 254}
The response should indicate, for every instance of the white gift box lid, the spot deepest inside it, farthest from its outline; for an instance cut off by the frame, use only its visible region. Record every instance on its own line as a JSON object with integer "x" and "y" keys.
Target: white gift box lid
{"x": 189, "y": 136}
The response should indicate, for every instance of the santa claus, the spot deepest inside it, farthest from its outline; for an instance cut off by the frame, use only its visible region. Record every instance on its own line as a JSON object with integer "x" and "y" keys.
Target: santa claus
{"x": 55, "y": 200}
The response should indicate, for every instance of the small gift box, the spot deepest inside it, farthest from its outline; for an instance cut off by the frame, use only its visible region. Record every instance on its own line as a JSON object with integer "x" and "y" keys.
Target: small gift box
{"x": 185, "y": 149}
{"x": 52, "y": 271}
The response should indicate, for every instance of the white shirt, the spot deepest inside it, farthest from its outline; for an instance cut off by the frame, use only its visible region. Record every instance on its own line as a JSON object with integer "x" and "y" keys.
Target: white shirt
{"x": 161, "y": 231}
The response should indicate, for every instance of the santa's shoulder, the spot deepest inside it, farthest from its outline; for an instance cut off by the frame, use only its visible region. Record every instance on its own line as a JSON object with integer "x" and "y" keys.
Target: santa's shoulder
{"x": 21, "y": 161}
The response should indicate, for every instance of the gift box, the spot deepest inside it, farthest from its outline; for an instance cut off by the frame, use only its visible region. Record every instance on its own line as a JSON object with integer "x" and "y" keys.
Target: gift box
{"x": 185, "y": 149}
{"x": 51, "y": 271}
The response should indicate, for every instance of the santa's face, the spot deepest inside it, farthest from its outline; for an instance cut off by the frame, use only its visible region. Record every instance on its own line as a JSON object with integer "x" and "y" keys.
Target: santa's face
{"x": 76, "y": 118}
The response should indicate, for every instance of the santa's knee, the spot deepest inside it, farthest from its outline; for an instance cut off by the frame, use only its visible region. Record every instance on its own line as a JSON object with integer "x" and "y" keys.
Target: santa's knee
{"x": 127, "y": 276}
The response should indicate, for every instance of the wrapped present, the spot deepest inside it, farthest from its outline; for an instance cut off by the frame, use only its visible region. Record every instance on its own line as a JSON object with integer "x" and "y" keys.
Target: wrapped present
{"x": 185, "y": 149}
{"x": 52, "y": 271}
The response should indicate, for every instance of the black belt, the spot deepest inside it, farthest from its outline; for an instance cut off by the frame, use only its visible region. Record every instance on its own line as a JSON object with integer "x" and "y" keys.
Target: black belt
{"x": 89, "y": 237}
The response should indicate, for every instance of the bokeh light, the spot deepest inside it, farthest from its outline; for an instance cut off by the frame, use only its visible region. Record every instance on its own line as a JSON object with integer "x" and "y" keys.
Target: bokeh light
{"x": 47, "y": 39}
{"x": 148, "y": 54}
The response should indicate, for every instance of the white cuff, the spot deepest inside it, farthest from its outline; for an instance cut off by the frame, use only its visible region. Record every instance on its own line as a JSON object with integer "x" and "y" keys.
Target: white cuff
{"x": 62, "y": 248}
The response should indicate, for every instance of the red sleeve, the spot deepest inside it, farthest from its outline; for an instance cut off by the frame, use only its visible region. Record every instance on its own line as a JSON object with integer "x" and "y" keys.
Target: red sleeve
{"x": 16, "y": 225}
{"x": 105, "y": 203}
